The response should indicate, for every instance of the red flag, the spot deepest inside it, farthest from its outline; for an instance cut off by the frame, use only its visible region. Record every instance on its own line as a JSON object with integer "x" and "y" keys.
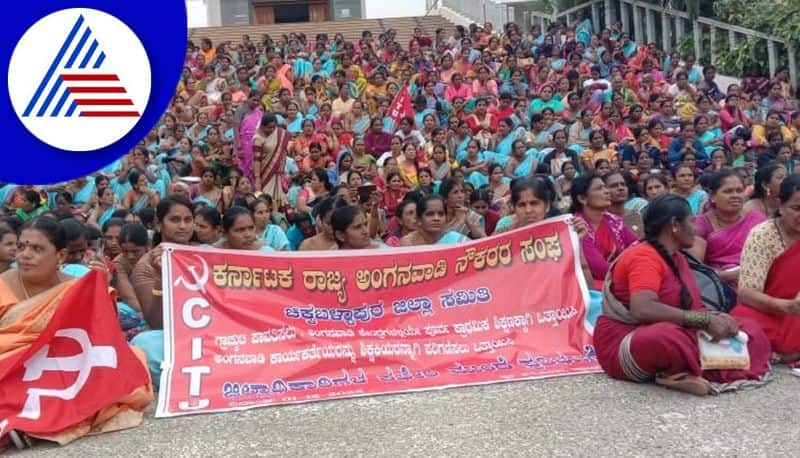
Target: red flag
{"x": 401, "y": 106}
{"x": 80, "y": 364}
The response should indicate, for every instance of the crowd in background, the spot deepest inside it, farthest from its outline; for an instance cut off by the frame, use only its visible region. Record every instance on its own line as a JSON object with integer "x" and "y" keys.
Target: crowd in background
{"x": 290, "y": 143}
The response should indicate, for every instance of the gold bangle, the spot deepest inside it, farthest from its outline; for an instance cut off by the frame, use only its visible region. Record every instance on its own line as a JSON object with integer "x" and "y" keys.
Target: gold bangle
{"x": 157, "y": 292}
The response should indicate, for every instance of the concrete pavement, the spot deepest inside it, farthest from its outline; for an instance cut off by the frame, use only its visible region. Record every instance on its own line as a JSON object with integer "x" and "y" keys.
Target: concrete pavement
{"x": 569, "y": 416}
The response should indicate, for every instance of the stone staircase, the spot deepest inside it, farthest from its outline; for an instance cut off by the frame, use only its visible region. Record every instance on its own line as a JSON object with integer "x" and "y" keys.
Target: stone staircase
{"x": 351, "y": 30}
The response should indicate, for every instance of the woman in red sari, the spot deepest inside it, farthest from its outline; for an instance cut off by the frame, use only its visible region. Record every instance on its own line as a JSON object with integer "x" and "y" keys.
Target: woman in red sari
{"x": 769, "y": 291}
{"x": 653, "y": 310}
{"x": 270, "y": 146}
{"x": 607, "y": 235}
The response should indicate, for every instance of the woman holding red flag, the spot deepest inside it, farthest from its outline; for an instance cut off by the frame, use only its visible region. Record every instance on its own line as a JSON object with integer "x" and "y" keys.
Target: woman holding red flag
{"x": 30, "y": 297}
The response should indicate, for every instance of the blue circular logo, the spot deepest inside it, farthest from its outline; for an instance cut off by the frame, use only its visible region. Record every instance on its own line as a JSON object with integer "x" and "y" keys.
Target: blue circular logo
{"x": 85, "y": 83}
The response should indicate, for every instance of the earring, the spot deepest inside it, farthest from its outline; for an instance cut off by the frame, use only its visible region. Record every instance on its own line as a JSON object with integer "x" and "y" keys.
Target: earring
{"x": 768, "y": 192}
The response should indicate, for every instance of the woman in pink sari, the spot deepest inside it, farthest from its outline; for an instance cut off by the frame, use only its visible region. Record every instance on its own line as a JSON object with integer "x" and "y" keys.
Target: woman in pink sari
{"x": 721, "y": 231}
{"x": 607, "y": 235}
{"x": 248, "y": 126}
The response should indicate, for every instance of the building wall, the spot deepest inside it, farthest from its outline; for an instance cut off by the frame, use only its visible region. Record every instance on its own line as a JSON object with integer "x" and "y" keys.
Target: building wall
{"x": 197, "y": 13}
{"x": 214, "y": 13}
{"x": 378, "y": 9}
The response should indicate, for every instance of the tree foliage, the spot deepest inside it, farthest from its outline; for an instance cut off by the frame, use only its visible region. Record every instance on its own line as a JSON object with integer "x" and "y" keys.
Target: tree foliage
{"x": 775, "y": 17}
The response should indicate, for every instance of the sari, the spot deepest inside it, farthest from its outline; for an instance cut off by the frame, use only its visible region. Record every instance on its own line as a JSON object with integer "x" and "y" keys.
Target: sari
{"x": 105, "y": 216}
{"x": 273, "y": 151}
{"x": 523, "y": 169}
{"x": 724, "y": 246}
{"x": 630, "y": 350}
{"x": 271, "y": 90}
{"x": 296, "y": 126}
{"x": 22, "y": 322}
{"x": 710, "y": 135}
{"x": 697, "y": 201}
{"x": 360, "y": 126}
{"x": 140, "y": 203}
{"x": 206, "y": 201}
{"x": 408, "y": 171}
{"x": 283, "y": 78}
{"x": 247, "y": 130}
{"x": 275, "y": 238}
{"x": 358, "y": 81}
{"x": 783, "y": 331}
{"x": 85, "y": 193}
{"x": 504, "y": 146}
{"x": 451, "y": 237}
{"x": 603, "y": 245}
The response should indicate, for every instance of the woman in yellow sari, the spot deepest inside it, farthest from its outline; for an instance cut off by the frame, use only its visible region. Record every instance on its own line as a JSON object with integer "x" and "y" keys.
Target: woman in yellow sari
{"x": 29, "y": 297}
{"x": 355, "y": 75}
{"x": 270, "y": 87}
{"x": 377, "y": 91}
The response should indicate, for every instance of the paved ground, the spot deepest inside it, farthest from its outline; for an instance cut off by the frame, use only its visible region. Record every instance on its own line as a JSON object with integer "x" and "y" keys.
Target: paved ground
{"x": 570, "y": 416}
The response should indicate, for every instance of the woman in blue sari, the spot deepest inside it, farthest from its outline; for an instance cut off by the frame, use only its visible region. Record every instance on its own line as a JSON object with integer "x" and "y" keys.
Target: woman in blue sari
{"x": 359, "y": 119}
{"x": 506, "y": 136}
{"x": 270, "y": 234}
{"x": 711, "y": 138}
{"x": 583, "y": 32}
{"x": 432, "y": 228}
{"x": 139, "y": 196}
{"x": 207, "y": 192}
{"x": 629, "y": 47}
{"x": 294, "y": 119}
{"x": 522, "y": 162}
{"x": 686, "y": 187}
{"x": 84, "y": 195}
{"x": 105, "y": 207}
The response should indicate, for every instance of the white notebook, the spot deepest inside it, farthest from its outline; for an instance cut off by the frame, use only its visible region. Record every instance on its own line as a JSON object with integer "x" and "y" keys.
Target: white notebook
{"x": 728, "y": 353}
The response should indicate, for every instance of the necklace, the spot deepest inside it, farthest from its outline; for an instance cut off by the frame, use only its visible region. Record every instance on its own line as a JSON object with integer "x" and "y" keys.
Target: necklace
{"x": 25, "y": 289}
{"x": 783, "y": 234}
{"x": 726, "y": 222}
{"x": 22, "y": 283}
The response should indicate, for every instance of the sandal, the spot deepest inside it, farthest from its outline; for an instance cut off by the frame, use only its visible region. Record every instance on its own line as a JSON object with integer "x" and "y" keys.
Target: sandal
{"x": 685, "y": 382}
{"x": 20, "y": 439}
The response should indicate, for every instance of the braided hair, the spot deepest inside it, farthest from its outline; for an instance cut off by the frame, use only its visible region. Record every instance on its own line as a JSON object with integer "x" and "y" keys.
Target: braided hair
{"x": 660, "y": 212}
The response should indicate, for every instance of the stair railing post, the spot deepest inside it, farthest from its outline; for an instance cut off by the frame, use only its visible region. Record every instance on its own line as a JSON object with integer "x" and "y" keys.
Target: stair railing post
{"x": 596, "y": 17}
{"x": 666, "y": 35}
{"x": 637, "y": 23}
{"x": 773, "y": 58}
{"x": 697, "y": 33}
{"x": 790, "y": 48}
{"x": 624, "y": 16}
{"x": 713, "y": 42}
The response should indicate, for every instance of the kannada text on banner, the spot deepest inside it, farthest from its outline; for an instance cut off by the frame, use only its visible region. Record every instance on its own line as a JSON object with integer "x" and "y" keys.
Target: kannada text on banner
{"x": 244, "y": 330}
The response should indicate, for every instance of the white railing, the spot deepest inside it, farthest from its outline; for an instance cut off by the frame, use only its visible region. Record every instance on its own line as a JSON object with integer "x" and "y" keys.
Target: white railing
{"x": 642, "y": 20}
{"x": 498, "y": 14}
{"x": 674, "y": 24}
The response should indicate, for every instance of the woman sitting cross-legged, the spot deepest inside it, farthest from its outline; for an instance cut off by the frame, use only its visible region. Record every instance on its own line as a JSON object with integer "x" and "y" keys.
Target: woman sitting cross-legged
{"x": 769, "y": 290}
{"x": 653, "y": 312}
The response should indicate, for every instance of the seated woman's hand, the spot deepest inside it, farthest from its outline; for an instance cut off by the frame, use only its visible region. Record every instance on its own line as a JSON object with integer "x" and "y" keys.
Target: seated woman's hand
{"x": 722, "y": 326}
{"x": 789, "y": 306}
{"x": 579, "y": 225}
